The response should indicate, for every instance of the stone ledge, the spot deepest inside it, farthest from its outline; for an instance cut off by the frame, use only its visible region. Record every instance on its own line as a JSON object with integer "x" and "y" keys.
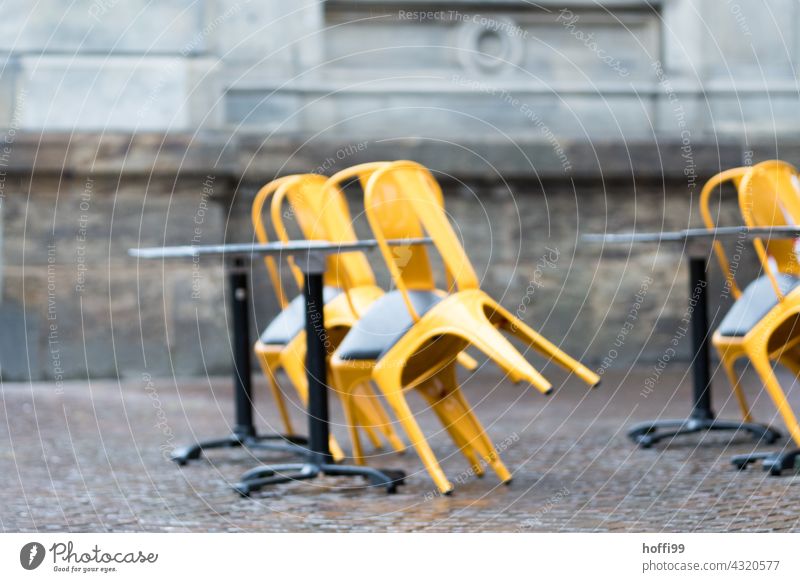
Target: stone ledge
{"x": 118, "y": 153}
{"x": 258, "y": 157}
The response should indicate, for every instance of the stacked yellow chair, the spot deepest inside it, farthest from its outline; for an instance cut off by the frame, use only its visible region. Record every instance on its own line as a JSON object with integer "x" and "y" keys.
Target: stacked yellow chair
{"x": 418, "y": 345}
{"x": 764, "y": 323}
{"x": 734, "y": 177}
{"x": 320, "y": 209}
{"x": 282, "y": 345}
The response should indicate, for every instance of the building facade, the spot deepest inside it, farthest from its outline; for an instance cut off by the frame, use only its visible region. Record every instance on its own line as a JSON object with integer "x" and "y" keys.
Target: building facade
{"x": 143, "y": 123}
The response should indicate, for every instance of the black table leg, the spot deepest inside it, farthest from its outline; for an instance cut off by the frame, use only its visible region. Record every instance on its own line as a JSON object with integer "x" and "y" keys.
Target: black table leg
{"x": 244, "y": 432}
{"x": 318, "y": 460}
{"x": 702, "y": 416}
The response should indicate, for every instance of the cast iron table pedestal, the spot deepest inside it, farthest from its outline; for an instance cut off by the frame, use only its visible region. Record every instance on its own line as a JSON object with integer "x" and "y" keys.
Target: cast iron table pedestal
{"x": 244, "y": 432}
{"x": 702, "y": 417}
{"x": 317, "y": 460}
{"x": 697, "y": 246}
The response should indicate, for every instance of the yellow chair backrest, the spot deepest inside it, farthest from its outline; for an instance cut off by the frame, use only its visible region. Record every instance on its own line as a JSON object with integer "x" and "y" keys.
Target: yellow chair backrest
{"x": 320, "y": 208}
{"x": 356, "y": 266}
{"x": 261, "y": 233}
{"x": 403, "y": 200}
{"x": 734, "y": 176}
{"x": 303, "y": 191}
{"x": 303, "y": 207}
{"x": 769, "y": 195}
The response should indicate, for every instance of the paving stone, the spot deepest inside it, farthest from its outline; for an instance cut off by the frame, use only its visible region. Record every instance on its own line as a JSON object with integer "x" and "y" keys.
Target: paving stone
{"x": 92, "y": 459}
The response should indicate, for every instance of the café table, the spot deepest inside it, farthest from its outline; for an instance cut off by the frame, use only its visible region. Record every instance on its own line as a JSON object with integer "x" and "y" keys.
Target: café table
{"x": 310, "y": 256}
{"x": 697, "y": 244}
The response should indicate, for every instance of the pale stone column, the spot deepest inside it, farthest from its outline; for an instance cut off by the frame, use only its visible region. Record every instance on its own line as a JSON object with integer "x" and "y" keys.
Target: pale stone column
{"x": 683, "y": 66}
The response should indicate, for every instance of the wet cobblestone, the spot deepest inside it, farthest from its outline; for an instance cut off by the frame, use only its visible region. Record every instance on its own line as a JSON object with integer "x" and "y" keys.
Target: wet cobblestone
{"x": 92, "y": 459}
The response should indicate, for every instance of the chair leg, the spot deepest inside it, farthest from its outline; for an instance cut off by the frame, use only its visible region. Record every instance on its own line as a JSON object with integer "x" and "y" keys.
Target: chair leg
{"x": 352, "y": 420}
{"x": 484, "y": 444}
{"x": 538, "y": 342}
{"x": 735, "y": 380}
{"x": 460, "y": 415}
{"x": 791, "y": 361}
{"x": 336, "y": 451}
{"x": 376, "y": 416}
{"x": 467, "y": 421}
{"x": 347, "y": 378}
{"x": 394, "y": 395}
{"x": 365, "y": 420}
{"x": 293, "y": 362}
{"x": 369, "y": 414}
{"x": 433, "y": 396}
{"x": 277, "y": 395}
{"x": 488, "y": 339}
{"x": 763, "y": 366}
{"x": 467, "y": 362}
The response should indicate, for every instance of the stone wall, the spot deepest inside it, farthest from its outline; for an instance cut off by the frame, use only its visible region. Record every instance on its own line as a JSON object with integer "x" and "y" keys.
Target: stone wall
{"x": 339, "y": 70}
{"x": 75, "y": 305}
{"x": 126, "y": 123}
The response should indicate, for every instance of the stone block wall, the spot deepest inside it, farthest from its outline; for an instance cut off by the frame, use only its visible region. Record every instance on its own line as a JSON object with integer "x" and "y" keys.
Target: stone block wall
{"x": 75, "y": 305}
{"x": 123, "y": 122}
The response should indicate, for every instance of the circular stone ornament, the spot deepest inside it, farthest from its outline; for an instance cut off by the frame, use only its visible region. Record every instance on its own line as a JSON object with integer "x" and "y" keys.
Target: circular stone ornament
{"x": 488, "y": 44}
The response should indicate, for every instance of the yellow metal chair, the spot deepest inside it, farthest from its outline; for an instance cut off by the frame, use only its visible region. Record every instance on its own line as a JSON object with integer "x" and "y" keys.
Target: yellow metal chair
{"x": 269, "y": 358}
{"x": 734, "y": 177}
{"x": 356, "y": 277}
{"x": 763, "y": 324}
{"x": 411, "y": 337}
{"x": 321, "y": 213}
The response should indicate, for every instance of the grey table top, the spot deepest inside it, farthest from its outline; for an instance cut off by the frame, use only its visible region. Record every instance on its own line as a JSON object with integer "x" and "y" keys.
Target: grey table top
{"x": 696, "y": 234}
{"x": 295, "y": 247}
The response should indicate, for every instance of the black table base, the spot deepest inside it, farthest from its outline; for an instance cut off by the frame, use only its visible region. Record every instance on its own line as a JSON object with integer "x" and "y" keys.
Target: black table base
{"x": 259, "y": 477}
{"x": 776, "y": 462}
{"x": 646, "y": 434}
{"x": 289, "y": 444}
{"x": 702, "y": 417}
{"x": 317, "y": 457}
{"x": 244, "y": 435}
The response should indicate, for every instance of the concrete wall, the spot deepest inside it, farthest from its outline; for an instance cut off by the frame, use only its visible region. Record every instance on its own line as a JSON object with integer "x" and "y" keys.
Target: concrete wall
{"x": 126, "y": 123}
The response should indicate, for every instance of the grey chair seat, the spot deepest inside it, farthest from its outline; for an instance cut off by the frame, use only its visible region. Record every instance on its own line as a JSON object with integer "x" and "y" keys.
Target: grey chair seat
{"x": 292, "y": 320}
{"x": 384, "y": 323}
{"x": 756, "y": 301}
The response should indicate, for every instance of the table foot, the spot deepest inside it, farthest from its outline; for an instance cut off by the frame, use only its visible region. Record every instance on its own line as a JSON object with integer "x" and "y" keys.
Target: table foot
{"x": 776, "y": 462}
{"x": 259, "y": 477}
{"x": 389, "y": 478}
{"x": 255, "y": 479}
{"x": 646, "y": 434}
{"x": 276, "y": 442}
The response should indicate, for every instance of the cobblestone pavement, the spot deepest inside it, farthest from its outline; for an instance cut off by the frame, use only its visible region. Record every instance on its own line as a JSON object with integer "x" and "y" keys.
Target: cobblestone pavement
{"x": 92, "y": 458}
